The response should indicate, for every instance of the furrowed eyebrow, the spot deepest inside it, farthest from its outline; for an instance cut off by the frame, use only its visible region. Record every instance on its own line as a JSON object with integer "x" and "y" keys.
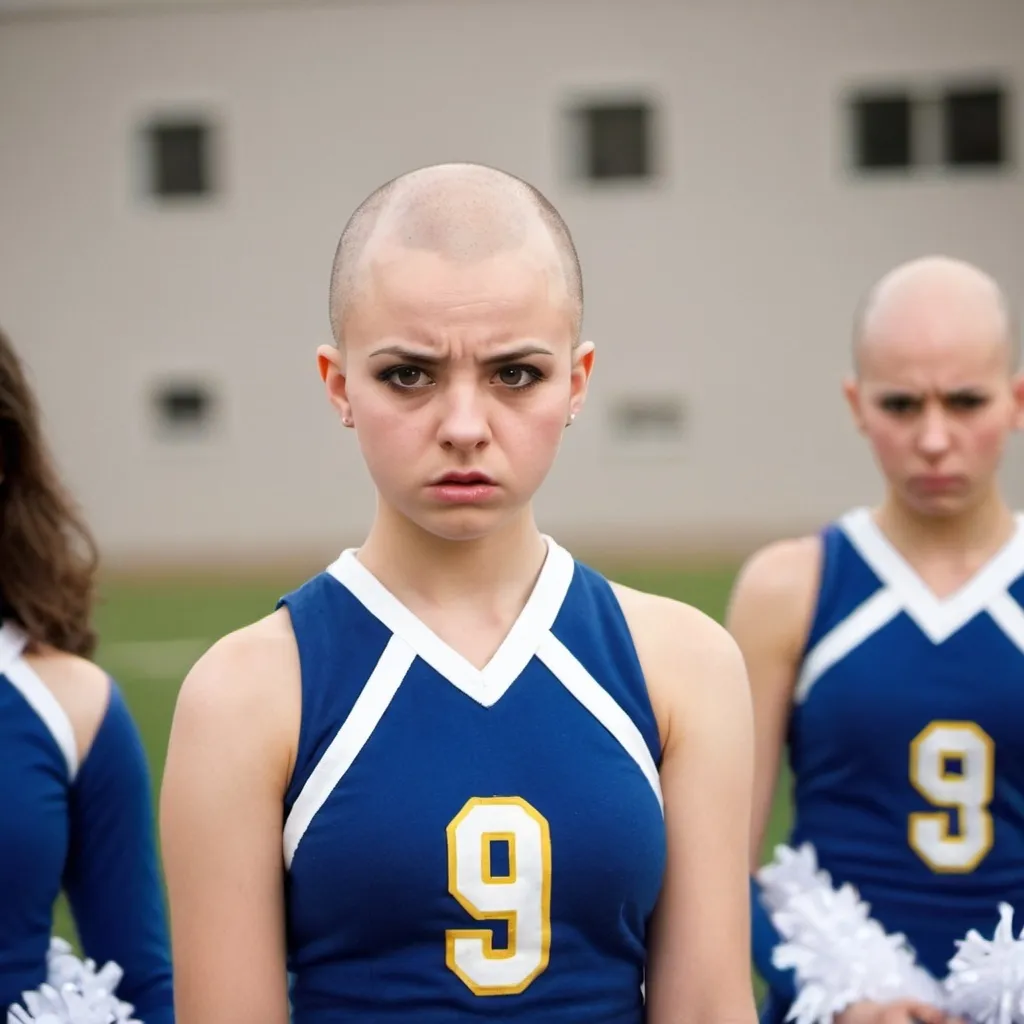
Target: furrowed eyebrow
{"x": 514, "y": 355}
{"x": 966, "y": 392}
{"x": 414, "y": 356}
{"x": 407, "y": 353}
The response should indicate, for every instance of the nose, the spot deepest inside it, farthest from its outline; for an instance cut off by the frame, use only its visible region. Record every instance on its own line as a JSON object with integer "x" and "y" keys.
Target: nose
{"x": 464, "y": 424}
{"x": 934, "y": 439}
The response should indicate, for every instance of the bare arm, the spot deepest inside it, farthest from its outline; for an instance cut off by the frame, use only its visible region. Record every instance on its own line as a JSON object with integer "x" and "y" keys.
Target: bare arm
{"x": 698, "y": 964}
{"x": 228, "y": 764}
{"x": 769, "y": 617}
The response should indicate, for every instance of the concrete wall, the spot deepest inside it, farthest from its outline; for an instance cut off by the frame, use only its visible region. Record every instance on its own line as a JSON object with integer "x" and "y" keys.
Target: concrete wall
{"x": 727, "y": 283}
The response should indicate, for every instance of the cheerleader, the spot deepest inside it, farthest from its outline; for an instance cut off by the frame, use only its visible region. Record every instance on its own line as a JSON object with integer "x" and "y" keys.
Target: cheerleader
{"x": 459, "y": 776}
{"x": 75, "y": 803}
{"x": 886, "y": 653}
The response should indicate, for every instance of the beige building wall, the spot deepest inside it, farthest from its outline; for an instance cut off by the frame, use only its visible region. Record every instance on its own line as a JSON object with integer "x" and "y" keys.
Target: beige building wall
{"x": 723, "y": 287}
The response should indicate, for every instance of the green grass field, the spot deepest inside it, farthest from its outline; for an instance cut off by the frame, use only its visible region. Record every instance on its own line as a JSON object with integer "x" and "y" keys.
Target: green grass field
{"x": 151, "y": 633}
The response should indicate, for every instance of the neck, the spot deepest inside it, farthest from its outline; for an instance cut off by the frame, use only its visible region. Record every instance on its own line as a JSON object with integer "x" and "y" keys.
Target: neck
{"x": 978, "y": 531}
{"x": 409, "y": 560}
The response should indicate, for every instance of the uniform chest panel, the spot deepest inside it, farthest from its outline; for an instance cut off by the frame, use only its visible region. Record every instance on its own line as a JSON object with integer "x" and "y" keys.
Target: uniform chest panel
{"x": 897, "y": 682}
{"x": 481, "y": 833}
{"x": 906, "y": 710}
{"x": 471, "y": 841}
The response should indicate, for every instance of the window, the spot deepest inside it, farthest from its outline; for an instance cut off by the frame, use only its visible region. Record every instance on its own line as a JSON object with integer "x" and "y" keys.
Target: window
{"x": 183, "y": 407}
{"x": 616, "y": 140}
{"x": 179, "y": 158}
{"x": 648, "y": 416}
{"x": 647, "y": 428}
{"x": 930, "y": 127}
{"x": 973, "y": 121}
{"x": 882, "y": 132}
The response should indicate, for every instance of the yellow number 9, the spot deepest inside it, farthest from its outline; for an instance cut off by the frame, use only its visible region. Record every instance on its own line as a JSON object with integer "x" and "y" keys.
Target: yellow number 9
{"x": 966, "y": 792}
{"x": 520, "y": 895}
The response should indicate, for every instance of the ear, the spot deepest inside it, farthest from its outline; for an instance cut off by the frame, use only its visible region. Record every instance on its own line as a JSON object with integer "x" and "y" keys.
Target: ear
{"x": 854, "y": 399}
{"x": 332, "y": 373}
{"x": 1018, "y": 397}
{"x": 582, "y": 366}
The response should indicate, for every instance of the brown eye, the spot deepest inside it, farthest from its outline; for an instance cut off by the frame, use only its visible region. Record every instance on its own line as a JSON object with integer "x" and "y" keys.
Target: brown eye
{"x": 965, "y": 401}
{"x": 900, "y": 405}
{"x": 405, "y": 378}
{"x": 408, "y": 376}
{"x": 518, "y": 377}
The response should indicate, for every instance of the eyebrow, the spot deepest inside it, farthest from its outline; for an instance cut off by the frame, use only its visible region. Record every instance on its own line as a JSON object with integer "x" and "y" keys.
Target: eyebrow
{"x": 509, "y": 356}
{"x": 911, "y": 393}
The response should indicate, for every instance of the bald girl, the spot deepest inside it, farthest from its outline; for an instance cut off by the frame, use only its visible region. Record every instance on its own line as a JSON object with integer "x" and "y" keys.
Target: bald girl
{"x": 459, "y": 776}
{"x": 887, "y": 650}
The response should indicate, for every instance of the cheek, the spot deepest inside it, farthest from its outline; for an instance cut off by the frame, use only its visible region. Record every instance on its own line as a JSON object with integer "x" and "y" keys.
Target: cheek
{"x": 532, "y": 435}
{"x": 893, "y": 447}
{"x": 987, "y": 438}
{"x": 383, "y": 429}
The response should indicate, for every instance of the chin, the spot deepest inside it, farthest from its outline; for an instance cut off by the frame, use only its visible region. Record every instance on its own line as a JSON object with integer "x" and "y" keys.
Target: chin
{"x": 463, "y": 524}
{"x": 940, "y": 506}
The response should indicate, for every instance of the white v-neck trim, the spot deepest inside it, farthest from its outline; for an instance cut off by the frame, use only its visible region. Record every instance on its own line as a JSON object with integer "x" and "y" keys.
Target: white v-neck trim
{"x": 939, "y": 618}
{"x": 37, "y": 694}
{"x": 12, "y": 643}
{"x": 487, "y": 685}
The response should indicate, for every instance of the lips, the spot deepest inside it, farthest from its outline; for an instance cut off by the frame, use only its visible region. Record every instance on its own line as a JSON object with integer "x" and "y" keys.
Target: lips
{"x": 936, "y": 483}
{"x": 465, "y": 488}
{"x": 464, "y": 479}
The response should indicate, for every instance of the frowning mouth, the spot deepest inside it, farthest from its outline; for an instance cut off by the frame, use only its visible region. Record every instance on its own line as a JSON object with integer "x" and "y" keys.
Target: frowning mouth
{"x": 463, "y": 488}
{"x": 938, "y": 483}
{"x": 465, "y": 479}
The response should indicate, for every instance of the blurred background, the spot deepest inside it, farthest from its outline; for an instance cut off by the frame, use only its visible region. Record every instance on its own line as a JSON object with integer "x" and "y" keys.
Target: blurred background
{"x": 174, "y": 176}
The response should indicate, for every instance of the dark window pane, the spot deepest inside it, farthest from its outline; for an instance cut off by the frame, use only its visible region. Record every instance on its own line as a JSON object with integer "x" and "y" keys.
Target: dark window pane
{"x": 882, "y": 132}
{"x": 973, "y": 127}
{"x": 179, "y": 158}
{"x": 617, "y": 140}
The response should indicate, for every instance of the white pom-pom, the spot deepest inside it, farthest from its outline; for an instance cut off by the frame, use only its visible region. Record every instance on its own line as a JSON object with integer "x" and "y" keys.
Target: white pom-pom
{"x": 840, "y": 954}
{"x": 986, "y": 977}
{"x": 74, "y": 993}
{"x": 48, "y": 1006}
{"x": 791, "y": 873}
{"x": 65, "y": 970}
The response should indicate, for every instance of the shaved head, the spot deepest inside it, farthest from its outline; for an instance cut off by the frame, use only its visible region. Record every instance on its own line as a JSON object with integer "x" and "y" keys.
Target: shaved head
{"x": 944, "y": 299}
{"x": 462, "y": 212}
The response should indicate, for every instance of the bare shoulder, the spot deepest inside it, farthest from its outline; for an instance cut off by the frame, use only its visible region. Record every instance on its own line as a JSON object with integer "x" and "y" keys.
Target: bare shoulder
{"x": 784, "y": 570}
{"x": 664, "y": 625}
{"x": 774, "y": 595}
{"x": 244, "y": 668}
{"x": 81, "y": 688}
{"x": 246, "y": 686}
{"x": 686, "y": 656}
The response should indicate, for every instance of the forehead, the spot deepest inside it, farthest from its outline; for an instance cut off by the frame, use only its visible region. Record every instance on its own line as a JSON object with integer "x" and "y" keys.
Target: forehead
{"x": 429, "y": 296}
{"x": 934, "y": 349}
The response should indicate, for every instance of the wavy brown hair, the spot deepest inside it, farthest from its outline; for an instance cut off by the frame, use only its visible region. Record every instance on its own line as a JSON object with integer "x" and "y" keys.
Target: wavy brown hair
{"x": 48, "y": 557}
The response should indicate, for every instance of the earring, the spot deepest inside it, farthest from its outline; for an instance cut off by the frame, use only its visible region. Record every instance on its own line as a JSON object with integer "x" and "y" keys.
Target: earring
{"x": 346, "y": 421}
{"x": 569, "y": 422}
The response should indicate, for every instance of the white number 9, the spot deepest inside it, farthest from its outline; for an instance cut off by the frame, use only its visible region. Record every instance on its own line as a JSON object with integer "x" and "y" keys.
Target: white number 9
{"x": 965, "y": 792}
{"x": 519, "y": 895}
